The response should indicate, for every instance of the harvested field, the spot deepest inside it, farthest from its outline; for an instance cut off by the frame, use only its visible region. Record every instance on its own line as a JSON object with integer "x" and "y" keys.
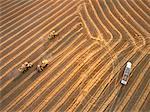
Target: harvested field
{"x": 85, "y": 61}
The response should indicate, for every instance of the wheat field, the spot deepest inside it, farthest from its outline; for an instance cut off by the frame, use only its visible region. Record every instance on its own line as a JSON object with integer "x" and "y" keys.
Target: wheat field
{"x": 85, "y": 61}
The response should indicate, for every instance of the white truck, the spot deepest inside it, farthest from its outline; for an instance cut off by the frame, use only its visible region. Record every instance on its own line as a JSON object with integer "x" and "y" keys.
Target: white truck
{"x": 126, "y": 73}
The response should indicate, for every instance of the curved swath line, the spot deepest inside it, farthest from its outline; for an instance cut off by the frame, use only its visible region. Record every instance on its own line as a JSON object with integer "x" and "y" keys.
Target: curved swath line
{"x": 113, "y": 76}
{"x": 102, "y": 26}
{"x": 123, "y": 21}
{"x": 139, "y": 19}
{"x": 141, "y": 88}
{"x": 146, "y": 3}
{"x": 15, "y": 6}
{"x": 123, "y": 30}
{"x": 7, "y": 18}
{"x": 131, "y": 89}
{"x": 48, "y": 85}
{"x": 52, "y": 47}
{"x": 105, "y": 43}
{"x": 97, "y": 76}
{"x": 20, "y": 20}
{"x": 39, "y": 25}
{"x": 135, "y": 10}
{"x": 39, "y": 47}
{"x": 57, "y": 59}
{"x": 137, "y": 61}
{"x": 126, "y": 25}
{"x": 9, "y": 4}
{"x": 54, "y": 68}
{"x": 142, "y": 98}
{"x": 112, "y": 96}
{"x": 55, "y": 19}
{"x": 87, "y": 27}
{"x": 122, "y": 27}
{"x": 119, "y": 10}
{"x": 113, "y": 36}
{"x": 130, "y": 19}
{"x": 143, "y": 14}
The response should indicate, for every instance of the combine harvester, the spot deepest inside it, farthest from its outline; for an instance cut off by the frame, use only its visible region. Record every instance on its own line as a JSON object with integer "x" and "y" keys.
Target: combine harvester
{"x": 43, "y": 65}
{"x": 25, "y": 67}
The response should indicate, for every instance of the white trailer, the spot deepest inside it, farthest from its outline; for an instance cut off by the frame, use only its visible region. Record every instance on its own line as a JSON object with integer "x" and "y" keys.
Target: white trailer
{"x": 126, "y": 73}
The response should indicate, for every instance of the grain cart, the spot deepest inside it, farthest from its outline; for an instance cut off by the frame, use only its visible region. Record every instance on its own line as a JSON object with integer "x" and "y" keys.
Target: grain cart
{"x": 126, "y": 73}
